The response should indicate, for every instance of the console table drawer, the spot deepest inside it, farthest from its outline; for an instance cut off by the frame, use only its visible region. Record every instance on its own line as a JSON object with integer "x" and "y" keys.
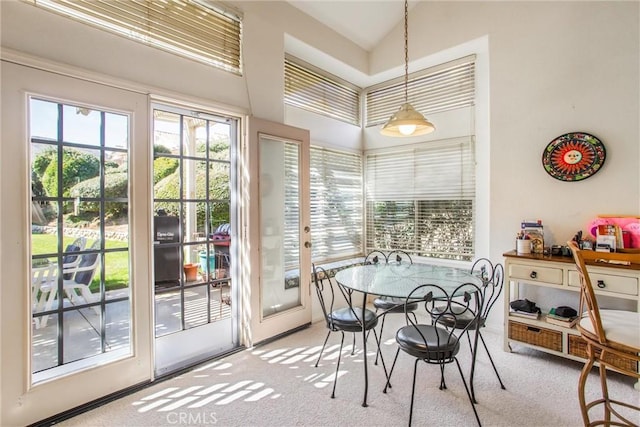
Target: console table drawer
{"x": 607, "y": 282}
{"x": 536, "y": 274}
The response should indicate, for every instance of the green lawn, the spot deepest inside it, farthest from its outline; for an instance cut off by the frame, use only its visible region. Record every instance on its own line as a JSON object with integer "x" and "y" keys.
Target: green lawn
{"x": 117, "y": 263}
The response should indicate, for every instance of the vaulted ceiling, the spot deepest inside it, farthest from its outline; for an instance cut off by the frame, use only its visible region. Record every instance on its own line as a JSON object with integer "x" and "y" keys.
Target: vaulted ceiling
{"x": 363, "y": 22}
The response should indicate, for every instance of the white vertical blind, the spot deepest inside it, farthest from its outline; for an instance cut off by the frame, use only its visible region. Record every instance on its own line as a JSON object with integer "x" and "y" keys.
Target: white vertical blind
{"x": 336, "y": 204}
{"x": 312, "y": 90}
{"x": 185, "y": 27}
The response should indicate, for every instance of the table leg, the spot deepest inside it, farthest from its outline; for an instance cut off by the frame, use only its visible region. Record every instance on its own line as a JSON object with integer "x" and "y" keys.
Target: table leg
{"x": 364, "y": 345}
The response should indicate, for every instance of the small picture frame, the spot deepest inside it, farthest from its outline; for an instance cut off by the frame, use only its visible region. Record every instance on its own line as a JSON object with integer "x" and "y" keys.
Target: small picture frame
{"x": 586, "y": 245}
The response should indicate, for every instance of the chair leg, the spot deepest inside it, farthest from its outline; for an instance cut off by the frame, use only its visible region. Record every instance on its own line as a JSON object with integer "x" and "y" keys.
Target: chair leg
{"x": 323, "y": 346}
{"x": 443, "y": 385}
{"x": 393, "y": 365}
{"x": 379, "y": 341}
{"x": 491, "y": 360}
{"x": 413, "y": 390}
{"x": 335, "y": 379}
{"x": 384, "y": 316}
{"x": 48, "y": 305}
{"x": 353, "y": 347}
{"x": 605, "y": 394}
{"x": 582, "y": 383}
{"x": 475, "y": 412}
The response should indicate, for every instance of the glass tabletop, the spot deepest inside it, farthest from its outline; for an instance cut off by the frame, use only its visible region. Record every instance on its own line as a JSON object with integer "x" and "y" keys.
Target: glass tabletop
{"x": 398, "y": 280}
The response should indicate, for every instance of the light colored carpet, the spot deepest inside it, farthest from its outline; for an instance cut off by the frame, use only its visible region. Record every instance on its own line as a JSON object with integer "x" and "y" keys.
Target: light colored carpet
{"x": 278, "y": 385}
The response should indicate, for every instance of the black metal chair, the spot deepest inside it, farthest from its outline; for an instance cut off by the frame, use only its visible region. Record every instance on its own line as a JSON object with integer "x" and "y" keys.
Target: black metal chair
{"x": 344, "y": 319}
{"x": 376, "y": 257}
{"x": 433, "y": 343}
{"x": 492, "y": 283}
{"x": 389, "y": 304}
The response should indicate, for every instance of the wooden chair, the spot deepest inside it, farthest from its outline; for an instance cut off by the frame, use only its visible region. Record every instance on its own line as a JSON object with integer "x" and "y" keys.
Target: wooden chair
{"x": 610, "y": 335}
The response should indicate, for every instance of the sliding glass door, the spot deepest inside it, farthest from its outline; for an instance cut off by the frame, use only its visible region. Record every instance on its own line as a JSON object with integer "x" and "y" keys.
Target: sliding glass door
{"x": 193, "y": 236}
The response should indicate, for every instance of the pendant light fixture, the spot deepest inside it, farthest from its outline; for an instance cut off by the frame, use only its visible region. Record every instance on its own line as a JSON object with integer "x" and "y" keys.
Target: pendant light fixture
{"x": 406, "y": 121}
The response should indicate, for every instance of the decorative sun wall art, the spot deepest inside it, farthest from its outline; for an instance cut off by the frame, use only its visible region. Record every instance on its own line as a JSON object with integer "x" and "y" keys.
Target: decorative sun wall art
{"x": 573, "y": 156}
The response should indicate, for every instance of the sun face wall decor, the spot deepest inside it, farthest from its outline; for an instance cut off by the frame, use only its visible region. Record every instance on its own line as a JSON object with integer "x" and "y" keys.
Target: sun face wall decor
{"x": 573, "y": 156}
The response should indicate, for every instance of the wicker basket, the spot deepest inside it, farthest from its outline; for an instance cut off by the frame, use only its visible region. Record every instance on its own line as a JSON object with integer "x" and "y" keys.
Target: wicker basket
{"x": 578, "y": 347}
{"x": 534, "y": 335}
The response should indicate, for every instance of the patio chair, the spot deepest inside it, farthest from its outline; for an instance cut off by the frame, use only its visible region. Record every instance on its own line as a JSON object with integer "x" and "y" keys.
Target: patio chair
{"x": 43, "y": 280}
{"x": 82, "y": 275}
{"x": 613, "y": 341}
{"x": 71, "y": 259}
{"x": 77, "y": 286}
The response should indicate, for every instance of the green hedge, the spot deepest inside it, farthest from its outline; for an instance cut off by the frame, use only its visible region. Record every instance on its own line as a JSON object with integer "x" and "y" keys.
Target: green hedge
{"x": 77, "y": 166}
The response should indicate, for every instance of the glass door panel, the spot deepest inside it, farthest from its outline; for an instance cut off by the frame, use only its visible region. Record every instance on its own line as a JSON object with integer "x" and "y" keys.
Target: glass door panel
{"x": 280, "y": 223}
{"x": 79, "y": 236}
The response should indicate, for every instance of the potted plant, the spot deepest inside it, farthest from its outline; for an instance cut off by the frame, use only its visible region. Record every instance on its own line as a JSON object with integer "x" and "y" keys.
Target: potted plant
{"x": 191, "y": 272}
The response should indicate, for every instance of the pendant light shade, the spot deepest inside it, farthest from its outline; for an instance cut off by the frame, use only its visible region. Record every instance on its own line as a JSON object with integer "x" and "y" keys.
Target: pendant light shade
{"x": 406, "y": 121}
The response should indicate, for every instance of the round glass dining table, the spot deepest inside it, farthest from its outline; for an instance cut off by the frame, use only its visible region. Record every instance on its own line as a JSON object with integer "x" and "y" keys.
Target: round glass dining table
{"x": 398, "y": 280}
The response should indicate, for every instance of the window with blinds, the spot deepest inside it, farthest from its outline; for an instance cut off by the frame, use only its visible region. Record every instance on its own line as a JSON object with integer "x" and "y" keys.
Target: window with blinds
{"x": 445, "y": 87}
{"x": 307, "y": 88}
{"x": 422, "y": 199}
{"x": 185, "y": 27}
{"x": 336, "y": 204}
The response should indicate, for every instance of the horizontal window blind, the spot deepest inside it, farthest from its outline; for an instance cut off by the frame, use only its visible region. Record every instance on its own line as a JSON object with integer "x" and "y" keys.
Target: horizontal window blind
{"x": 184, "y": 27}
{"x": 336, "y": 204}
{"x": 422, "y": 199}
{"x": 445, "y": 87}
{"x": 313, "y": 91}
{"x": 291, "y": 240}
{"x": 435, "y": 170}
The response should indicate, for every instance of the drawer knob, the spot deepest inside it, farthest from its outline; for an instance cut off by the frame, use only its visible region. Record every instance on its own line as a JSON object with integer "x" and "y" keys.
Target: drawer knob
{"x": 533, "y": 275}
{"x": 601, "y": 284}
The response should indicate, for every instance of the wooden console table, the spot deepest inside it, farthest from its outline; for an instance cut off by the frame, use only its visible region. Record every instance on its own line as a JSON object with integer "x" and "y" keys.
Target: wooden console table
{"x": 618, "y": 282}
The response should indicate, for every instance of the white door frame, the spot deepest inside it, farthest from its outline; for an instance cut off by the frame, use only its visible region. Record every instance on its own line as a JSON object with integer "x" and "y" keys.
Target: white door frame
{"x": 22, "y": 402}
{"x": 258, "y": 327}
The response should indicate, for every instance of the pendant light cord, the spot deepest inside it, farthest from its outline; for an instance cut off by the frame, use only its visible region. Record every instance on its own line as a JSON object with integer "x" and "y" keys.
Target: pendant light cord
{"x": 406, "y": 50}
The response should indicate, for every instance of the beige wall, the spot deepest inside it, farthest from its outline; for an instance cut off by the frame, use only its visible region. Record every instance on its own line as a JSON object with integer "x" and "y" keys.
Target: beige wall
{"x": 554, "y": 67}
